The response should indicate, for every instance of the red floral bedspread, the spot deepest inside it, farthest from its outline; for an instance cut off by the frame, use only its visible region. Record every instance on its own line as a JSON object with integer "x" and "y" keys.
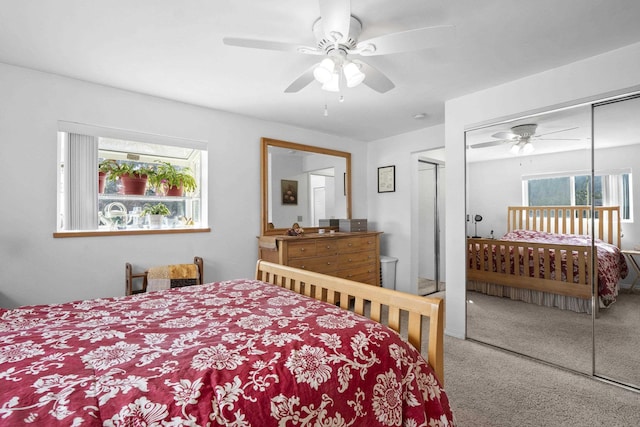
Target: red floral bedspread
{"x": 241, "y": 353}
{"x": 612, "y": 265}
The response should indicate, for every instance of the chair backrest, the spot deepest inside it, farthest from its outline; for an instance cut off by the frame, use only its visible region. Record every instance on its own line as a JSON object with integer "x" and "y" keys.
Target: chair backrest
{"x": 164, "y": 276}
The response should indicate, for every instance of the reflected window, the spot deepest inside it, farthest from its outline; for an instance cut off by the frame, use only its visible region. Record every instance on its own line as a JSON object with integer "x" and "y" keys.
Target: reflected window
{"x": 609, "y": 189}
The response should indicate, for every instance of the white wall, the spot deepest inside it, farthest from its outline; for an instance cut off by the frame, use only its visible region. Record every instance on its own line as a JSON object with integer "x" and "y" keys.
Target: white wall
{"x": 36, "y": 268}
{"x": 587, "y": 79}
{"x": 392, "y": 212}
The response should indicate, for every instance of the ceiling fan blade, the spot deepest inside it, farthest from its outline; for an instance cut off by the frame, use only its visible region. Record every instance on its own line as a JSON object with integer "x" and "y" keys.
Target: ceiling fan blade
{"x": 271, "y": 45}
{"x": 489, "y": 144}
{"x": 302, "y": 81}
{"x": 556, "y": 131}
{"x": 557, "y": 139}
{"x": 336, "y": 18}
{"x": 505, "y": 135}
{"x": 405, "y": 41}
{"x": 374, "y": 78}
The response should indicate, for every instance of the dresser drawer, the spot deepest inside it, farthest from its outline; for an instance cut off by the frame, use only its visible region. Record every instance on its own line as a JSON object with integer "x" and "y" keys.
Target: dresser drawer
{"x": 301, "y": 249}
{"x": 350, "y": 260}
{"x": 326, "y": 247}
{"x": 364, "y": 274}
{"x": 325, "y": 264}
{"x": 355, "y": 244}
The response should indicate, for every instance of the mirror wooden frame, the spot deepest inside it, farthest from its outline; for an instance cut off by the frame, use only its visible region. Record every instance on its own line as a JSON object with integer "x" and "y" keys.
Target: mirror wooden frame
{"x": 264, "y": 173}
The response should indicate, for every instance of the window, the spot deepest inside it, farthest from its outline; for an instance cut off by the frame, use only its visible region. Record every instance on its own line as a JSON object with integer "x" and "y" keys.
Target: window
{"x": 609, "y": 189}
{"x": 93, "y": 203}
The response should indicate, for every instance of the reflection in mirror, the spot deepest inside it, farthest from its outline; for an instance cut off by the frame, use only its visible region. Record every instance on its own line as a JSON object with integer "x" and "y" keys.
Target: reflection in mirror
{"x": 617, "y": 144}
{"x": 502, "y": 173}
{"x": 303, "y": 184}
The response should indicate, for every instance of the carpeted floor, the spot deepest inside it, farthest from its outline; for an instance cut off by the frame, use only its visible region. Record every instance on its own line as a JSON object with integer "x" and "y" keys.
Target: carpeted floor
{"x": 562, "y": 337}
{"x": 488, "y": 387}
{"x": 491, "y": 387}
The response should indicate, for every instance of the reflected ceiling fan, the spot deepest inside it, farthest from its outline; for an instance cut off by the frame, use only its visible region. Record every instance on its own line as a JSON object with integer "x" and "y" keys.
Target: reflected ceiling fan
{"x": 521, "y": 137}
{"x": 337, "y": 35}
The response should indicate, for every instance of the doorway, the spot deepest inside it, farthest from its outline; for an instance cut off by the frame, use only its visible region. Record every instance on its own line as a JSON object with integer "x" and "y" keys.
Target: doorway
{"x": 430, "y": 225}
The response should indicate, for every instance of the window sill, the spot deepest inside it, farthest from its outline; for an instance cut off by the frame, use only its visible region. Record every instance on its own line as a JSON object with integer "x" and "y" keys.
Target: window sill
{"x": 101, "y": 233}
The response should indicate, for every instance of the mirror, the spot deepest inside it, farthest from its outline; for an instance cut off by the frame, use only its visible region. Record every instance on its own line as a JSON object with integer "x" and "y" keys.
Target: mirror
{"x": 303, "y": 184}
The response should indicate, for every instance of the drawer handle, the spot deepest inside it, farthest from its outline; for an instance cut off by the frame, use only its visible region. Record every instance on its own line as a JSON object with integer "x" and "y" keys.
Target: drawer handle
{"x": 302, "y": 249}
{"x": 328, "y": 262}
{"x": 350, "y": 260}
{"x": 328, "y": 246}
{"x": 350, "y": 244}
{"x": 302, "y": 267}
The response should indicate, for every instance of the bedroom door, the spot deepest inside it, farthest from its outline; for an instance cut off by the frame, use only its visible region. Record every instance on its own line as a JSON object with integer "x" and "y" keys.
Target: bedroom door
{"x": 616, "y": 138}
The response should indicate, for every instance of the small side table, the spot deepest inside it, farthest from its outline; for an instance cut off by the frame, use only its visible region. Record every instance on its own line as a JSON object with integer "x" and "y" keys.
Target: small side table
{"x": 630, "y": 254}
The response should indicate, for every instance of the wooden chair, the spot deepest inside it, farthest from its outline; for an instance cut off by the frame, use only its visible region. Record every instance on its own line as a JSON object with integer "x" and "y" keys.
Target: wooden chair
{"x": 131, "y": 276}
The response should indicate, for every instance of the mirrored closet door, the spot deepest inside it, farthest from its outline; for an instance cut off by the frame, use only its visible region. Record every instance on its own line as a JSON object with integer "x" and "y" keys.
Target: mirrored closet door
{"x": 553, "y": 246}
{"x": 616, "y": 139}
{"x": 523, "y": 178}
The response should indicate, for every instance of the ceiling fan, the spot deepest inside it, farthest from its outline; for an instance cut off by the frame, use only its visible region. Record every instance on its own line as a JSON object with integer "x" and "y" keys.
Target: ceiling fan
{"x": 337, "y": 35}
{"x": 521, "y": 136}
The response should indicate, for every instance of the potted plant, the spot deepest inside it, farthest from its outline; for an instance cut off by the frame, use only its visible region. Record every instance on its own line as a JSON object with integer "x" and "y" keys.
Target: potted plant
{"x": 104, "y": 169}
{"x": 171, "y": 181}
{"x": 133, "y": 178}
{"x": 156, "y": 213}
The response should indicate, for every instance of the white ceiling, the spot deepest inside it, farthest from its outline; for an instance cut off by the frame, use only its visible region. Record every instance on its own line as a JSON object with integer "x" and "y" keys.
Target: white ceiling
{"x": 173, "y": 49}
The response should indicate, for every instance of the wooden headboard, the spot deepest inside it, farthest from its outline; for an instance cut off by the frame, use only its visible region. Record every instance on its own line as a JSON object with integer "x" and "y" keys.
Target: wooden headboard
{"x": 568, "y": 220}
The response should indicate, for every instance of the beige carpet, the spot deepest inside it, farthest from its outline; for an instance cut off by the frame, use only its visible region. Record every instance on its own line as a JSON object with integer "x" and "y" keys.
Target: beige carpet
{"x": 492, "y": 388}
{"x": 562, "y": 337}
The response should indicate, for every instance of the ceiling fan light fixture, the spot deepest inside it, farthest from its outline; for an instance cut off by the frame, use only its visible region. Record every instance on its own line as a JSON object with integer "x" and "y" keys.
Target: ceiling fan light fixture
{"x": 324, "y": 71}
{"x": 527, "y": 148}
{"x": 515, "y": 148}
{"x": 522, "y": 147}
{"x": 333, "y": 84}
{"x": 352, "y": 74}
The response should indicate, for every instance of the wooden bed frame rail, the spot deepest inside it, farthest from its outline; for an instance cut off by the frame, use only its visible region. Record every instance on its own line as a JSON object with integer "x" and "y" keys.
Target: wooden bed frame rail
{"x": 484, "y": 267}
{"x": 335, "y": 290}
{"x": 568, "y": 220}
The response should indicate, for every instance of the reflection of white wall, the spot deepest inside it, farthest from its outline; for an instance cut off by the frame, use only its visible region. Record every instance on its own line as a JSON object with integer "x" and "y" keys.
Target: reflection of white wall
{"x": 335, "y": 197}
{"x": 300, "y": 169}
{"x": 289, "y": 168}
{"x": 323, "y": 203}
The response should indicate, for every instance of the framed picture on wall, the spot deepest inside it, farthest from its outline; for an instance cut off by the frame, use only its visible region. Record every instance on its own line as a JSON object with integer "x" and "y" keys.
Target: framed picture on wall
{"x": 289, "y": 192}
{"x": 386, "y": 179}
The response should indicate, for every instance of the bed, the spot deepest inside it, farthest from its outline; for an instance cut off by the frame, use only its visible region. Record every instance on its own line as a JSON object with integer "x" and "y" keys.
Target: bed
{"x": 537, "y": 275}
{"x": 279, "y": 349}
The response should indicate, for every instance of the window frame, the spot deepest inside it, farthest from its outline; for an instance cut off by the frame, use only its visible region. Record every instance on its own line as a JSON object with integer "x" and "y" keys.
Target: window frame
{"x": 617, "y": 174}
{"x": 201, "y": 197}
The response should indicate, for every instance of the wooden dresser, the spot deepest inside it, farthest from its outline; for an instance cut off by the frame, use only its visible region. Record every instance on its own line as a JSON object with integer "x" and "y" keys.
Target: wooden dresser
{"x": 353, "y": 256}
